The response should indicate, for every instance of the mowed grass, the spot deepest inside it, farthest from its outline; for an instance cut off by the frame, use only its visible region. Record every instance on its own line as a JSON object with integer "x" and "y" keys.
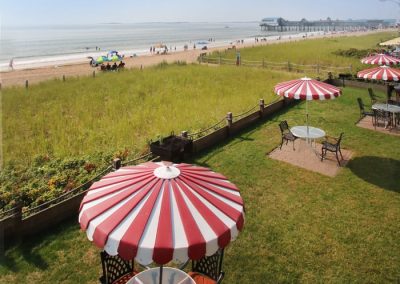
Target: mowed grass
{"x": 315, "y": 51}
{"x": 300, "y": 226}
{"x": 117, "y": 111}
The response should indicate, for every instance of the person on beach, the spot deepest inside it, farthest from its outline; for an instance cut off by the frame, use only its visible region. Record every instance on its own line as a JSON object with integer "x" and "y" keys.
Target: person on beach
{"x": 11, "y": 65}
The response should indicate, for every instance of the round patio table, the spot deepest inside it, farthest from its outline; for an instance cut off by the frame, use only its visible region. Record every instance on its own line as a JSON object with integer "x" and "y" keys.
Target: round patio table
{"x": 312, "y": 133}
{"x": 170, "y": 276}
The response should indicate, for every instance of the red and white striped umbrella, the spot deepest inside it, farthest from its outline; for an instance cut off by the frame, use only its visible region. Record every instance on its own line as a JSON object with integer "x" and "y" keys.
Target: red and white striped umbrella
{"x": 307, "y": 89}
{"x": 381, "y": 59}
{"x": 158, "y": 212}
{"x": 385, "y": 73}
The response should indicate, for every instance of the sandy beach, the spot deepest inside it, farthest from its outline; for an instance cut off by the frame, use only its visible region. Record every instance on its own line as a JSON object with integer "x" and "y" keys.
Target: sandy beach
{"x": 36, "y": 75}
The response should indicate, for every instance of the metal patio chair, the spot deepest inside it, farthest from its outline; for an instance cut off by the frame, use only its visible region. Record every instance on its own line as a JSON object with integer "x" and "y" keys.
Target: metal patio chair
{"x": 332, "y": 144}
{"x": 287, "y": 135}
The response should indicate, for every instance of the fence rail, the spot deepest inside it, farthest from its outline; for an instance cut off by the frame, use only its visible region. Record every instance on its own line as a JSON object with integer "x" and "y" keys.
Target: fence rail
{"x": 284, "y": 66}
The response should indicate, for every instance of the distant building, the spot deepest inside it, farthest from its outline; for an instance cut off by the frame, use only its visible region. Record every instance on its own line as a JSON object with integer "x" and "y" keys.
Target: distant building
{"x": 280, "y": 24}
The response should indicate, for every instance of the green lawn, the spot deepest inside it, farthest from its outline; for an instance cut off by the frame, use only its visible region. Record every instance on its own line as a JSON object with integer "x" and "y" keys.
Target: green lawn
{"x": 300, "y": 226}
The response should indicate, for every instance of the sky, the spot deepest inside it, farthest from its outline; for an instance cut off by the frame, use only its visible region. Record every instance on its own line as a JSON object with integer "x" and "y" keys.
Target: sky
{"x": 44, "y": 12}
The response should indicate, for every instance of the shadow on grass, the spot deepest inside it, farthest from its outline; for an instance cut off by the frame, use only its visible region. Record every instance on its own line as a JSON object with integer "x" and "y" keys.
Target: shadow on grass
{"x": 27, "y": 247}
{"x": 382, "y": 172}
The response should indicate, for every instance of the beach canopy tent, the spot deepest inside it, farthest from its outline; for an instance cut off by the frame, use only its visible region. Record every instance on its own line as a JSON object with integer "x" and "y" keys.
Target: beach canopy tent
{"x": 381, "y": 59}
{"x": 99, "y": 60}
{"x": 384, "y": 73}
{"x": 116, "y": 58}
{"x": 395, "y": 41}
{"x": 307, "y": 89}
{"x": 162, "y": 212}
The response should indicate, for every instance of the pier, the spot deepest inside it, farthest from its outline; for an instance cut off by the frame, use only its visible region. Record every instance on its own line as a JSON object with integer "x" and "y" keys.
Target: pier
{"x": 282, "y": 25}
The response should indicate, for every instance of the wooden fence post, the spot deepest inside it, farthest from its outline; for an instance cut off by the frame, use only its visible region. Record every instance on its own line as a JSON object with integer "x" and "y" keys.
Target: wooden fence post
{"x": 94, "y": 74}
{"x": 229, "y": 119}
{"x": 263, "y": 63}
{"x": 0, "y": 86}
{"x": 116, "y": 163}
{"x": 26, "y": 84}
{"x": 63, "y": 78}
{"x": 184, "y": 134}
{"x": 262, "y": 106}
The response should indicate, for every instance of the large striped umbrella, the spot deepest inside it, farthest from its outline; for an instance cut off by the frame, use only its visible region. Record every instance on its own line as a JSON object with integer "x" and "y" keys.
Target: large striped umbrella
{"x": 307, "y": 89}
{"x": 381, "y": 59}
{"x": 158, "y": 212}
{"x": 384, "y": 73}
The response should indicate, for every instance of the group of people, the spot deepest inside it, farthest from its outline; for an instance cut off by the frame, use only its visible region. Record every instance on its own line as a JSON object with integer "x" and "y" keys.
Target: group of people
{"x": 113, "y": 67}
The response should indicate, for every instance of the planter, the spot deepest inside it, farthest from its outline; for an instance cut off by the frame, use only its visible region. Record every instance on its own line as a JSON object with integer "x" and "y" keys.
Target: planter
{"x": 172, "y": 148}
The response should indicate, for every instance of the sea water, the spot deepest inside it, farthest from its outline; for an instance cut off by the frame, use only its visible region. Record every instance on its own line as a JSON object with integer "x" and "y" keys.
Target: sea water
{"x": 35, "y": 46}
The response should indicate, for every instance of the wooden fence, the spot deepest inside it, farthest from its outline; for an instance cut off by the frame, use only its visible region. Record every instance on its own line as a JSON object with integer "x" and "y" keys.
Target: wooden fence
{"x": 281, "y": 66}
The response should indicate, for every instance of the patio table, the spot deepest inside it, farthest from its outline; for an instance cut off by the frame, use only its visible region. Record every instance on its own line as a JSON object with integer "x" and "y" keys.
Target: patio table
{"x": 170, "y": 275}
{"x": 394, "y": 109}
{"x": 307, "y": 132}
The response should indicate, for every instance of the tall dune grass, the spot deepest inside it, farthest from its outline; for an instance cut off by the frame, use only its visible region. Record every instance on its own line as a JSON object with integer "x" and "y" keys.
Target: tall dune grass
{"x": 124, "y": 110}
{"x": 315, "y": 51}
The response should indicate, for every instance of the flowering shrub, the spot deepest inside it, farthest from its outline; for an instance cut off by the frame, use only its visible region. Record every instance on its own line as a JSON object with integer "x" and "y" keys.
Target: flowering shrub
{"x": 47, "y": 178}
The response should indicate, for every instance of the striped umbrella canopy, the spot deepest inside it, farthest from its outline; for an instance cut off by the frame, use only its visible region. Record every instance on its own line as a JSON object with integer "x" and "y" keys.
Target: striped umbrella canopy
{"x": 158, "y": 212}
{"x": 381, "y": 59}
{"x": 384, "y": 73}
{"x": 307, "y": 89}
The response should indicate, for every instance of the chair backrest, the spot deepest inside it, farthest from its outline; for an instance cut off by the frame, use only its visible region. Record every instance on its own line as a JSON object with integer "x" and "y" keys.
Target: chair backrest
{"x": 114, "y": 267}
{"x": 210, "y": 266}
{"x": 360, "y": 104}
{"x": 339, "y": 140}
{"x": 371, "y": 94}
{"x": 283, "y": 125}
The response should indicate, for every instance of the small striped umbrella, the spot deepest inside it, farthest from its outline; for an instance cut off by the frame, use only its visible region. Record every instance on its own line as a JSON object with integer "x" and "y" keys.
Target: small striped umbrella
{"x": 381, "y": 59}
{"x": 384, "y": 73}
{"x": 159, "y": 212}
{"x": 307, "y": 89}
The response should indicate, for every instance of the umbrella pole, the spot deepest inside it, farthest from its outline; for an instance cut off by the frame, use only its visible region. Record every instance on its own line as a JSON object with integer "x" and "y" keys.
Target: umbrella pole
{"x": 307, "y": 121}
{"x": 161, "y": 273}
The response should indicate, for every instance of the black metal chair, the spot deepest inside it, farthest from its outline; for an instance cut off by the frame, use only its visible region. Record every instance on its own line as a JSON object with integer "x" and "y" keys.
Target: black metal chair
{"x": 382, "y": 116}
{"x": 372, "y": 96}
{"x": 208, "y": 269}
{"x": 115, "y": 269}
{"x": 332, "y": 144}
{"x": 364, "y": 113}
{"x": 287, "y": 135}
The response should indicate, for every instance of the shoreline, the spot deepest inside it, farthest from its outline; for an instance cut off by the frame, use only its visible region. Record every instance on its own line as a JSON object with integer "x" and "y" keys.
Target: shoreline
{"x": 39, "y": 74}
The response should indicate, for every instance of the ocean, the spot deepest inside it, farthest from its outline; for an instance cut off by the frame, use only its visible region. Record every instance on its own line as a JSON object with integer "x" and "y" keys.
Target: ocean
{"x": 37, "y": 46}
